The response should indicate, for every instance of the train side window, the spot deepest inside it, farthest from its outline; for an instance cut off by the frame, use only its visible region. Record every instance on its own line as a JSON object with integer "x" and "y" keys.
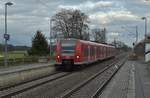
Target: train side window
{"x": 90, "y": 51}
{"x": 93, "y": 51}
{"x": 85, "y": 50}
{"x": 101, "y": 50}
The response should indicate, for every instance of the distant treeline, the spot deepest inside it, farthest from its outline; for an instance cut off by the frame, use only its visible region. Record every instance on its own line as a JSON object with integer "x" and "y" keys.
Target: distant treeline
{"x": 14, "y": 48}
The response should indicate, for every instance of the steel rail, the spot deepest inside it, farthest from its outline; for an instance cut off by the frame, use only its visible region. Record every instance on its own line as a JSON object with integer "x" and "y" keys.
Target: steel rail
{"x": 101, "y": 88}
{"x": 35, "y": 83}
{"x": 77, "y": 87}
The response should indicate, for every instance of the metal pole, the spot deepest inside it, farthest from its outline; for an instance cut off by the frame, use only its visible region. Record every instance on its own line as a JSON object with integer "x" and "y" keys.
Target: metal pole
{"x": 6, "y": 36}
{"x": 144, "y": 18}
{"x": 5, "y": 54}
{"x": 136, "y": 34}
{"x": 145, "y": 35}
{"x": 145, "y": 27}
{"x": 50, "y": 39}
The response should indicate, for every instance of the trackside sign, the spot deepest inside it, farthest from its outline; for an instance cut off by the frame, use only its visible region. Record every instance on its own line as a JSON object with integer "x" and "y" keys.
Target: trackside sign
{"x": 147, "y": 52}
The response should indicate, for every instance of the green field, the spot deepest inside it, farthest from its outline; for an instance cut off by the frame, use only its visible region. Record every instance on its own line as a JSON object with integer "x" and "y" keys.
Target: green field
{"x": 14, "y": 54}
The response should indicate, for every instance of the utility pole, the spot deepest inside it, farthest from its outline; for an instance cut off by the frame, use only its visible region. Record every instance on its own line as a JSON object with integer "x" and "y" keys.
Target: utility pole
{"x": 144, "y": 18}
{"x": 6, "y": 36}
{"x": 51, "y": 36}
{"x": 136, "y": 34}
{"x": 50, "y": 44}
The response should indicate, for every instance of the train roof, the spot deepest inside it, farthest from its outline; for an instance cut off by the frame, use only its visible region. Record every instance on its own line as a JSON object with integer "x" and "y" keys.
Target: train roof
{"x": 84, "y": 41}
{"x": 94, "y": 43}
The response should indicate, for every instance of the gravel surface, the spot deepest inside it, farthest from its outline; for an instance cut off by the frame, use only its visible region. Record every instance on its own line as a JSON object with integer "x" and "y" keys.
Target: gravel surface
{"x": 12, "y": 69}
{"x": 88, "y": 90}
{"x": 119, "y": 86}
{"x": 58, "y": 87}
{"x": 31, "y": 84}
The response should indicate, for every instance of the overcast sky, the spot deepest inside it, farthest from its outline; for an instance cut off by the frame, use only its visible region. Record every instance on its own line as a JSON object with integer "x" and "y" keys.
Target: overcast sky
{"x": 27, "y": 16}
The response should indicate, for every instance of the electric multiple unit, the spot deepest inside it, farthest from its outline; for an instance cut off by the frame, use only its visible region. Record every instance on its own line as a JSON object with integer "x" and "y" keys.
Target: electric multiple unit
{"x": 73, "y": 52}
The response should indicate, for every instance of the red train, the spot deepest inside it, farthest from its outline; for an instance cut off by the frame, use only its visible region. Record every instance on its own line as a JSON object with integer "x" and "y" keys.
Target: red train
{"x": 72, "y": 52}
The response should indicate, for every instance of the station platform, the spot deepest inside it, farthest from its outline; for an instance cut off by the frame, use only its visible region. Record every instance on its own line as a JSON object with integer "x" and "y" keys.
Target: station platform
{"x": 13, "y": 75}
{"x": 131, "y": 81}
{"x": 11, "y": 69}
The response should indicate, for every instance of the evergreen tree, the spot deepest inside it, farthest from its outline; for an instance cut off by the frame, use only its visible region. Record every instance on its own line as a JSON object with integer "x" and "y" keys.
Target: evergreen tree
{"x": 39, "y": 45}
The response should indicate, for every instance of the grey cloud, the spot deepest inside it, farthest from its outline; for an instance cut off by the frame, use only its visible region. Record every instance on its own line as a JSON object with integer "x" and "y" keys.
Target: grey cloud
{"x": 27, "y": 16}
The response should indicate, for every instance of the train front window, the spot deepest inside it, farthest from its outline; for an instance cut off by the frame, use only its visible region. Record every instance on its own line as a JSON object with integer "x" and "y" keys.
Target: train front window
{"x": 68, "y": 46}
{"x": 68, "y": 49}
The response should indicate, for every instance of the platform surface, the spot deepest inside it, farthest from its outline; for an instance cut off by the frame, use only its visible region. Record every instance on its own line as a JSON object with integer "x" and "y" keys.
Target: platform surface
{"x": 131, "y": 81}
{"x": 11, "y": 69}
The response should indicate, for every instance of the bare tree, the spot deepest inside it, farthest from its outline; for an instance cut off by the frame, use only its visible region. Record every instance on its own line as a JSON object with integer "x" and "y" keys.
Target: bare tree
{"x": 99, "y": 35}
{"x": 70, "y": 23}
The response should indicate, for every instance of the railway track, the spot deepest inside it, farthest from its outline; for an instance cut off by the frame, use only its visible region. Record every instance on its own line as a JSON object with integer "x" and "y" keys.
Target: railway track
{"x": 54, "y": 83}
{"x": 101, "y": 88}
{"x": 81, "y": 90}
{"x": 57, "y": 87}
{"x": 19, "y": 88}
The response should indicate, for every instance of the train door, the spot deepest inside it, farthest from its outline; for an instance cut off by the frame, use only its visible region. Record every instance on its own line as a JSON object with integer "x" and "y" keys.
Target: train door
{"x": 103, "y": 52}
{"x": 89, "y": 53}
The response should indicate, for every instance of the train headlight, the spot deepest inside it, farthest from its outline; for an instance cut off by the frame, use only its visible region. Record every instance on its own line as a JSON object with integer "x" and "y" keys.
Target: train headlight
{"x": 77, "y": 57}
{"x": 58, "y": 56}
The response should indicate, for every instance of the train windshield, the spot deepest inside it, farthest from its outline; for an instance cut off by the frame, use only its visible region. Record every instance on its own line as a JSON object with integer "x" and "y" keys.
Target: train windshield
{"x": 67, "y": 49}
{"x": 68, "y": 46}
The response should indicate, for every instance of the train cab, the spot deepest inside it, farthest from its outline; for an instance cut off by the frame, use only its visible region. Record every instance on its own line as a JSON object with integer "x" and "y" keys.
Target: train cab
{"x": 66, "y": 53}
